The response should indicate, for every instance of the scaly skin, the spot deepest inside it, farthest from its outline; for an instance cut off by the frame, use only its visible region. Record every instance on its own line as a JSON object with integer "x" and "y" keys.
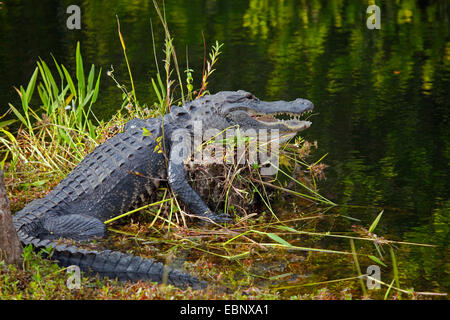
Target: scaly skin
{"x": 121, "y": 171}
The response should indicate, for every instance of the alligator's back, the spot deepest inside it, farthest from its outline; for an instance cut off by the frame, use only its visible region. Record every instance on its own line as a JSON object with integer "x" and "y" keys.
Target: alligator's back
{"x": 107, "y": 181}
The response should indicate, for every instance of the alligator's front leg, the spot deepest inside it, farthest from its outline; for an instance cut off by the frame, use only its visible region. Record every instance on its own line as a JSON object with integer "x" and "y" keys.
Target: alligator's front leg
{"x": 177, "y": 180}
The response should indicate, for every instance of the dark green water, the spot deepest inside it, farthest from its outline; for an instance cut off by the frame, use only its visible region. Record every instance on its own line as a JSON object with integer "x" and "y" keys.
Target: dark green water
{"x": 381, "y": 96}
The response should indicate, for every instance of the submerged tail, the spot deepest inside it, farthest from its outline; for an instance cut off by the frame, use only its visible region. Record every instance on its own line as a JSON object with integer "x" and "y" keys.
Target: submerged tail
{"x": 114, "y": 264}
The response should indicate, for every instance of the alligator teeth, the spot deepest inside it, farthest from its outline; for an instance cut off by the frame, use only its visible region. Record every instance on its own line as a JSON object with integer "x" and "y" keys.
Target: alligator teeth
{"x": 283, "y": 116}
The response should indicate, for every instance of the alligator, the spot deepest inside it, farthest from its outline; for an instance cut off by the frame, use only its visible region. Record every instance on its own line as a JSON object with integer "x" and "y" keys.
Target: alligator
{"x": 130, "y": 165}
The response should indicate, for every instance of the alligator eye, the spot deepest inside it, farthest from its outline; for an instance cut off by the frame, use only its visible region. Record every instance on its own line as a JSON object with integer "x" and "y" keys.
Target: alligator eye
{"x": 250, "y": 96}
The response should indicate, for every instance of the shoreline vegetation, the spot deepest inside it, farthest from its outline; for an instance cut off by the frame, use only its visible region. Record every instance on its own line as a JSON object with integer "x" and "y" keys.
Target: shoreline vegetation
{"x": 271, "y": 252}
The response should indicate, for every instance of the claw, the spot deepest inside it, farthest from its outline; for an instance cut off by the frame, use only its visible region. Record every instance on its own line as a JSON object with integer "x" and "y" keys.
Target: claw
{"x": 218, "y": 217}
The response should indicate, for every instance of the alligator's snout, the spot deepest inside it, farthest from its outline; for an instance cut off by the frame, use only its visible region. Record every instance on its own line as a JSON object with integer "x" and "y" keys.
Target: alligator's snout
{"x": 305, "y": 104}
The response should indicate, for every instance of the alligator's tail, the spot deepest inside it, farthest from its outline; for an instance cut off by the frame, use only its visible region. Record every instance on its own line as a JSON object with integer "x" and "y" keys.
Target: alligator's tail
{"x": 113, "y": 264}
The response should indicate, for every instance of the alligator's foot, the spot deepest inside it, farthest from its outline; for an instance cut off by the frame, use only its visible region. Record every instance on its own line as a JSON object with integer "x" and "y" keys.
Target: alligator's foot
{"x": 73, "y": 226}
{"x": 216, "y": 217}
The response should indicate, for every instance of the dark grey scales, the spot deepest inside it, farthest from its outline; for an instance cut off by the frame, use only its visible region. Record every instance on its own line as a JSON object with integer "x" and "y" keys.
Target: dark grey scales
{"x": 105, "y": 183}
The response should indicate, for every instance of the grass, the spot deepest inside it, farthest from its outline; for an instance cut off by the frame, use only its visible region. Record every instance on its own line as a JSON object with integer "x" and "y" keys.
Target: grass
{"x": 244, "y": 257}
{"x": 55, "y": 136}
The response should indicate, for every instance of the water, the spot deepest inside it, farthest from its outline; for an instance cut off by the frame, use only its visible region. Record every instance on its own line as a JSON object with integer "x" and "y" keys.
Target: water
{"x": 382, "y": 110}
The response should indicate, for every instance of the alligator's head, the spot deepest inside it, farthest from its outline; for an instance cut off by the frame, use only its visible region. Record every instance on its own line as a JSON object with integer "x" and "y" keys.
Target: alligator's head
{"x": 240, "y": 108}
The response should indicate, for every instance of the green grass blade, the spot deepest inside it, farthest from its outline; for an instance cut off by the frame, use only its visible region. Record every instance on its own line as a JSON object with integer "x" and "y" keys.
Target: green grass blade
{"x": 23, "y": 98}
{"x": 69, "y": 81}
{"x": 32, "y": 85}
{"x": 388, "y": 289}
{"x": 7, "y": 123}
{"x": 84, "y": 102}
{"x": 9, "y": 135}
{"x": 91, "y": 128}
{"x": 135, "y": 210}
{"x": 45, "y": 81}
{"x": 155, "y": 88}
{"x": 163, "y": 88}
{"x": 316, "y": 197}
{"x": 395, "y": 267}
{"x": 25, "y": 106}
{"x": 377, "y": 260}
{"x": 80, "y": 73}
{"x": 358, "y": 268}
{"x": 97, "y": 86}
{"x": 2, "y": 163}
{"x": 91, "y": 79}
{"x": 50, "y": 79}
{"x": 375, "y": 222}
{"x": 59, "y": 71}
{"x": 88, "y": 112}
{"x": 278, "y": 239}
{"x": 122, "y": 41}
{"x": 44, "y": 97}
